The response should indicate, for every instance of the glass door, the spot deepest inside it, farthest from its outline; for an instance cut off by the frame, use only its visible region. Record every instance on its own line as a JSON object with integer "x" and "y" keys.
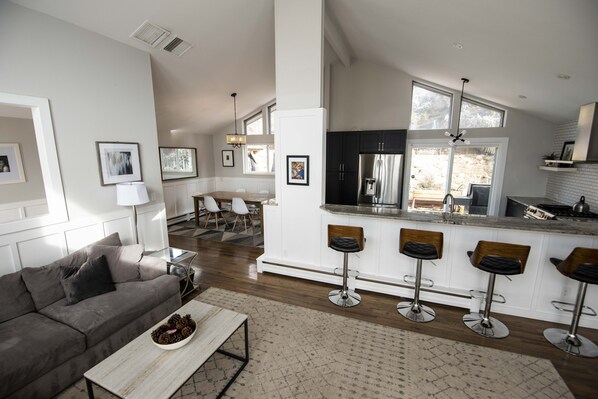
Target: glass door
{"x": 467, "y": 172}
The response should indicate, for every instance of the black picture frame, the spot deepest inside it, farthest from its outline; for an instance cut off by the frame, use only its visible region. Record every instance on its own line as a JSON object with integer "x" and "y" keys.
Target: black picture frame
{"x": 119, "y": 162}
{"x": 298, "y": 170}
{"x": 567, "y": 151}
{"x": 178, "y": 169}
{"x": 228, "y": 158}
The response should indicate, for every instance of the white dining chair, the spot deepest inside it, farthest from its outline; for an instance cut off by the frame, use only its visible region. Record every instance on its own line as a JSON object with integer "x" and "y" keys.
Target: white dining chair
{"x": 240, "y": 209}
{"x": 212, "y": 208}
{"x": 254, "y": 208}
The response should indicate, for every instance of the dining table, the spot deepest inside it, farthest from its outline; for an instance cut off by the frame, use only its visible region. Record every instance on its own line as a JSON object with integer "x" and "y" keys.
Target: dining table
{"x": 256, "y": 199}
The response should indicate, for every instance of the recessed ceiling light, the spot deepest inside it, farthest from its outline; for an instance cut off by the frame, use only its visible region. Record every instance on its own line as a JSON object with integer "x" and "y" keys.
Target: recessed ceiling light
{"x": 563, "y": 76}
{"x": 521, "y": 96}
{"x": 458, "y": 46}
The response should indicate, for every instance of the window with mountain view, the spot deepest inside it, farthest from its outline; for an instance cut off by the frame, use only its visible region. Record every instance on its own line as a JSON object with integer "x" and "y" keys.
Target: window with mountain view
{"x": 475, "y": 114}
{"x": 430, "y": 108}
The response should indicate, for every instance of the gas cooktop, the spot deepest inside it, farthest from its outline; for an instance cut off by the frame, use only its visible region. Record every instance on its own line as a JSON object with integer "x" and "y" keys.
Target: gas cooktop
{"x": 566, "y": 211}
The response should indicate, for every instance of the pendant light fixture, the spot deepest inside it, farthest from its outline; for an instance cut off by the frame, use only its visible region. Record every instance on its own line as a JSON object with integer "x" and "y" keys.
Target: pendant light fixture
{"x": 458, "y": 136}
{"x": 236, "y": 140}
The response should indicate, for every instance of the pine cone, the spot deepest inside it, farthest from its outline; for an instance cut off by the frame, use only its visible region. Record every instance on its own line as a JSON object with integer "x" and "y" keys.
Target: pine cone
{"x": 186, "y": 331}
{"x": 164, "y": 339}
{"x": 175, "y": 318}
{"x": 182, "y": 324}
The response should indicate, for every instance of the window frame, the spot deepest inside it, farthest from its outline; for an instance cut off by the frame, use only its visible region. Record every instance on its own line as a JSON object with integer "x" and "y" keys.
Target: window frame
{"x": 502, "y": 144}
{"x": 268, "y": 165}
{"x": 269, "y": 129}
{"x": 251, "y": 119}
{"x": 437, "y": 91}
{"x": 483, "y": 105}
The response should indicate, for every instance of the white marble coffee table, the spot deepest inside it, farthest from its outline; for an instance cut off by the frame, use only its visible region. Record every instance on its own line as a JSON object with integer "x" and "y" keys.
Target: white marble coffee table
{"x": 142, "y": 370}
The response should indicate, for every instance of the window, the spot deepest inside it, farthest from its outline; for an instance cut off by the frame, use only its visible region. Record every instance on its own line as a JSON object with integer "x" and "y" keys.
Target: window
{"x": 472, "y": 174}
{"x": 475, "y": 114}
{"x": 254, "y": 125}
{"x": 272, "y": 118}
{"x": 259, "y": 158}
{"x": 430, "y": 108}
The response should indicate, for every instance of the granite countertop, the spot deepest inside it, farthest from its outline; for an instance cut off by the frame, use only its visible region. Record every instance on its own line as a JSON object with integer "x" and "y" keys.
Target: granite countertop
{"x": 534, "y": 200}
{"x": 582, "y": 227}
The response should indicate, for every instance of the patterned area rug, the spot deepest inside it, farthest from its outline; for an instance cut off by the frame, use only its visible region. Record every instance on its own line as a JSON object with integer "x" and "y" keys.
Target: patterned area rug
{"x": 297, "y": 352}
{"x": 251, "y": 236}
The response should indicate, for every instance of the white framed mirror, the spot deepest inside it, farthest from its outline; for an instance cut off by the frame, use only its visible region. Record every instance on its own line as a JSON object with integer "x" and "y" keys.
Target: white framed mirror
{"x": 53, "y": 210}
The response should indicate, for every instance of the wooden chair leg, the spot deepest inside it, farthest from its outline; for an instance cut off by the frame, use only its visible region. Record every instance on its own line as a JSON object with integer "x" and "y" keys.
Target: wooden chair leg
{"x": 245, "y": 223}
{"x": 223, "y": 218}
{"x": 237, "y": 218}
{"x": 207, "y": 220}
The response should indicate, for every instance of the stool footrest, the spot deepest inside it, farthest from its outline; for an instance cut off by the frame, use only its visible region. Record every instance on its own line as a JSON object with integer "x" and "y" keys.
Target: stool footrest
{"x": 425, "y": 282}
{"x": 586, "y": 310}
{"x": 496, "y": 298}
{"x": 350, "y": 273}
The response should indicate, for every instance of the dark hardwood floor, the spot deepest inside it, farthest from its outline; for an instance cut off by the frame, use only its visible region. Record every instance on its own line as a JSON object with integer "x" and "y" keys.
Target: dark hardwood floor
{"x": 234, "y": 268}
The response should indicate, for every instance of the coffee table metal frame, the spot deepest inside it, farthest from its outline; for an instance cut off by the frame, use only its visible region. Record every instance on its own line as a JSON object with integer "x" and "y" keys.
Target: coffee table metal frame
{"x": 243, "y": 359}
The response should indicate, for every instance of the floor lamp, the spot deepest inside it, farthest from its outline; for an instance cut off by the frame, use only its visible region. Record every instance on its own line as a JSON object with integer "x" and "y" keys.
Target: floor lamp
{"x": 132, "y": 194}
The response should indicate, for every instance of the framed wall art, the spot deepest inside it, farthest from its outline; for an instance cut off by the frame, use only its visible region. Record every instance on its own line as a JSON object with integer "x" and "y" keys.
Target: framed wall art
{"x": 119, "y": 162}
{"x": 298, "y": 170}
{"x": 178, "y": 162}
{"x": 11, "y": 166}
{"x": 567, "y": 152}
{"x": 228, "y": 158}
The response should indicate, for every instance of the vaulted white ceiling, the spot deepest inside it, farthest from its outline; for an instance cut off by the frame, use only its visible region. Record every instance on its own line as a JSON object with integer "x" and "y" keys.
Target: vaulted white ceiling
{"x": 510, "y": 48}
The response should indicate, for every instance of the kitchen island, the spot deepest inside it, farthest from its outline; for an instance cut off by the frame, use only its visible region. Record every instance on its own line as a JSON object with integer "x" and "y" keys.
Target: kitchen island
{"x": 383, "y": 269}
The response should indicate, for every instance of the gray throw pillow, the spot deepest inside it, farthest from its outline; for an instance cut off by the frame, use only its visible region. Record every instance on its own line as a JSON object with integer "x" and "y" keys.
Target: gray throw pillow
{"x": 123, "y": 262}
{"x": 15, "y": 301}
{"x": 89, "y": 280}
{"x": 44, "y": 282}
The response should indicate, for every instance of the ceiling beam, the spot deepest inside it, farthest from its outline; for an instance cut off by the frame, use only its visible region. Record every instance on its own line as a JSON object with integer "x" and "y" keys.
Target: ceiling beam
{"x": 336, "y": 38}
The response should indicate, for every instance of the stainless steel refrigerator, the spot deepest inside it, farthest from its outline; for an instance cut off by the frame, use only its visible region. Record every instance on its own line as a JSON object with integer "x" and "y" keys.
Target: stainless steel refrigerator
{"x": 380, "y": 180}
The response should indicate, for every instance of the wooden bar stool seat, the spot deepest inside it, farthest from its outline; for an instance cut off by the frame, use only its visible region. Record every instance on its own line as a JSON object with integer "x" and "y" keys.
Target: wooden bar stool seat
{"x": 580, "y": 265}
{"x": 345, "y": 239}
{"x": 421, "y": 245}
{"x": 494, "y": 258}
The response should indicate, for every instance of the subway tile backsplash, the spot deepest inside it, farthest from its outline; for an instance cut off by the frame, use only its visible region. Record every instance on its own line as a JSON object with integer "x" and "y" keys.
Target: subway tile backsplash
{"x": 568, "y": 187}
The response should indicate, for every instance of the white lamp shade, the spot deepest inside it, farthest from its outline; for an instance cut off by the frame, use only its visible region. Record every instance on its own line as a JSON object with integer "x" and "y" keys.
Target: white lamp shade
{"x": 133, "y": 193}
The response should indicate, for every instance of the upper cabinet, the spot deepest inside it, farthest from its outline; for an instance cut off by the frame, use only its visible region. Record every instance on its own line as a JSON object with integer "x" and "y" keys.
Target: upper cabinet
{"x": 384, "y": 142}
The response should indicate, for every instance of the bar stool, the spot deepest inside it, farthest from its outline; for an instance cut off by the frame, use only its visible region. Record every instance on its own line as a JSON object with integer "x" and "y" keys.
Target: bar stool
{"x": 421, "y": 245}
{"x": 494, "y": 258}
{"x": 345, "y": 239}
{"x": 580, "y": 265}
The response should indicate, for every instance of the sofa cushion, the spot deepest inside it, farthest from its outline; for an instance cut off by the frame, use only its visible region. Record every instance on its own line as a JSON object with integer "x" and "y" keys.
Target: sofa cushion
{"x": 102, "y": 315}
{"x": 32, "y": 345}
{"x": 15, "y": 300}
{"x": 43, "y": 282}
{"x": 123, "y": 262}
{"x": 91, "y": 279}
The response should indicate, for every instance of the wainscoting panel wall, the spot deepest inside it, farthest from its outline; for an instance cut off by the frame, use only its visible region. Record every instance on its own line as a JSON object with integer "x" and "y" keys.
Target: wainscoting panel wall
{"x": 21, "y": 210}
{"x": 38, "y": 247}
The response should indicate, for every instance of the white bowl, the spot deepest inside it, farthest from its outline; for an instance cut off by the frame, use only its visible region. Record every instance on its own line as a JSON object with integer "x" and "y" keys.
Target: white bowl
{"x": 176, "y": 345}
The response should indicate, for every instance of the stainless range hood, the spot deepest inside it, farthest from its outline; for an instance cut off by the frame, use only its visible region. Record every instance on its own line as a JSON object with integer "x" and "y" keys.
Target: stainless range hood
{"x": 586, "y": 142}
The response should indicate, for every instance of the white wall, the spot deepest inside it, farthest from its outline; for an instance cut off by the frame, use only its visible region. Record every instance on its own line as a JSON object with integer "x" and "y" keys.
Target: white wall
{"x": 21, "y": 131}
{"x": 99, "y": 90}
{"x": 366, "y": 96}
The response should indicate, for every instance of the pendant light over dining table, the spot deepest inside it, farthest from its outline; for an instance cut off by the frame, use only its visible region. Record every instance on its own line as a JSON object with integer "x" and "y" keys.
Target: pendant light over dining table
{"x": 236, "y": 140}
{"x": 458, "y": 136}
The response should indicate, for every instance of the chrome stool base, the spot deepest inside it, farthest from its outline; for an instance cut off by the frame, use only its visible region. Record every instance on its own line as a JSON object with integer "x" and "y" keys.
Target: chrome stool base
{"x": 418, "y": 313}
{"x": 575, "y": 345}
{"x": 493, "y": 329}
{"x": 346, "y": 299}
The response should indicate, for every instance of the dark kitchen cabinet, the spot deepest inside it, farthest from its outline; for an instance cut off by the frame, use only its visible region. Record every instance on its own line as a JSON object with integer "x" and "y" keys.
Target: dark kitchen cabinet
{"x": 383, "y": 142}
{"x": 515, "y": 209}
{"x": 342, "y": 162}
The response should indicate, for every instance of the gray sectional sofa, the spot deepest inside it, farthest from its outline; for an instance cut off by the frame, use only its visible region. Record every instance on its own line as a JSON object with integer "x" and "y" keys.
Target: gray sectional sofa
{"x": 46, "y": 345}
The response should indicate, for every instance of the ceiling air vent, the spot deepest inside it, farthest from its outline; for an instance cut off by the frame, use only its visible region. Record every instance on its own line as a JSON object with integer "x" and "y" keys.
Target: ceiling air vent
{"x": 177, "y": 46}
{"x": 150, "y": 34}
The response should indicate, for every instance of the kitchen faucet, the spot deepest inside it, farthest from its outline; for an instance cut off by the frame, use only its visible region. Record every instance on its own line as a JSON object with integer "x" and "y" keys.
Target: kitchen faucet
{"x": 448, "y": 202}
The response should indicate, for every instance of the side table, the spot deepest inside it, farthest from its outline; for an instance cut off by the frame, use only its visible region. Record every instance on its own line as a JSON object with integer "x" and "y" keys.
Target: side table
{"x": 178, "y": 263}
